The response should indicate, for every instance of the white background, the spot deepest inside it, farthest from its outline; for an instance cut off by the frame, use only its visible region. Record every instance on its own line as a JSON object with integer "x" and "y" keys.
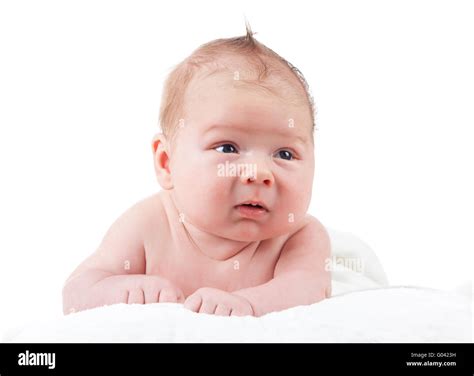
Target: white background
{"x": 80, "y": 86}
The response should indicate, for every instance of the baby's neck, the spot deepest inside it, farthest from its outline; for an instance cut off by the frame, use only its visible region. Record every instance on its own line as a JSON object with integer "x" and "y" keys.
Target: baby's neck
{"x": 210, "y": 245}
{"x": 216, "y": 247}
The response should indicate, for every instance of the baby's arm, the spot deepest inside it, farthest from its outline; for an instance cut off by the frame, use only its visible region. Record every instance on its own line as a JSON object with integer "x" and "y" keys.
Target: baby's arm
{"x": 300, "y": 276}
{"x": 115, "y": 272}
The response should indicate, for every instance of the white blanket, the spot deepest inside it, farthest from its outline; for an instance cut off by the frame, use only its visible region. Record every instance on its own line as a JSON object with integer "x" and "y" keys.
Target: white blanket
{"x": 379, "y": 315}
{"x": 362, "y": 309}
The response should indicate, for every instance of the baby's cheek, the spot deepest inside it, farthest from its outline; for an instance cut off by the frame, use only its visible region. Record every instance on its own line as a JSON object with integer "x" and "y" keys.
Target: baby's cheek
{"x": 295, "y": 199}
{"x": 204, "y": 198}
{"x": 209, "y": 186}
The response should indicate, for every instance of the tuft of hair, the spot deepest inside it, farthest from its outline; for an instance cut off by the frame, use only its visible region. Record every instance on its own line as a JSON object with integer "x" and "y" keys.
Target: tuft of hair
{"x": 262, "y": 59}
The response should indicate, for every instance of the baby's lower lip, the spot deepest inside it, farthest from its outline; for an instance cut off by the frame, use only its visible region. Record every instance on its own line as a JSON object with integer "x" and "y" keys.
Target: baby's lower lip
{"x": 253, "y": 212}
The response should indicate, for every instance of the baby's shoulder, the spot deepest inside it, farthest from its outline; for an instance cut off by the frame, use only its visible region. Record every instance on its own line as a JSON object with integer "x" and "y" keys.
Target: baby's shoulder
{"x": 151, "y": 209}
{"x": 309, "y": 229}
{"x": 308, "y": 223}
{"x": 146, "y": 215}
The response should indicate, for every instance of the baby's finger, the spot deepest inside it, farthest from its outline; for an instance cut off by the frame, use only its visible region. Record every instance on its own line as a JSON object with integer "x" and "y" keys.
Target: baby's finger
{"x": 222, "y": 310}
{"x": 136, "y": 297}
{"x": 193, "y": 302}
{"x": 180, "y": 296}
{"x": 240, "y": 312}
{"x": 151, "y": 296}
{"x": 207, "y": 307}
{"x": 168, "y": 295}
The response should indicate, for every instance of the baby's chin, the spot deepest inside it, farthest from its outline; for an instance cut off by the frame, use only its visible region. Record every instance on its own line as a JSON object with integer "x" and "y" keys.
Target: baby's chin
{"x": 248, "y": 230}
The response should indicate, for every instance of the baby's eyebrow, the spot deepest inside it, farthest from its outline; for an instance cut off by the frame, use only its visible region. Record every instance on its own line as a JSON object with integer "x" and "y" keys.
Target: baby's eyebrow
{"x": 223, "y": 127}
{"x": 285, "y": 132}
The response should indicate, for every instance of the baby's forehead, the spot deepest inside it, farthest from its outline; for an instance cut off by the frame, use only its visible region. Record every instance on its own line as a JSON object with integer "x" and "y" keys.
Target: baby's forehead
{"x": 230, "y": 82}
{"x": 218, "y": 94}
{"x": 230, "y": 109}
{"x": 236, "y": 88}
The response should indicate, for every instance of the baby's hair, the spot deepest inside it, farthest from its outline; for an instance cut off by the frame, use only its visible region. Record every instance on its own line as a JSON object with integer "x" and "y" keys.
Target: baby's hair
{"x": 259, "y": 56}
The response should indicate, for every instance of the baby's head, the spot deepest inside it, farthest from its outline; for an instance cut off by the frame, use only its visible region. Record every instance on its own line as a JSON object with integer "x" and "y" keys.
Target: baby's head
{"x": 237, "y": 123}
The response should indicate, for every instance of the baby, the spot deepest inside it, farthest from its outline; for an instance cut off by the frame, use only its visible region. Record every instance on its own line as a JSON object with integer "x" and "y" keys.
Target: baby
{"x": 229, "y": 233}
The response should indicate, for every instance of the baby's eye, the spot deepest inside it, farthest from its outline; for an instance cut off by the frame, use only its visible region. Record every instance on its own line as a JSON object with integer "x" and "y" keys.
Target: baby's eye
{"x": 226, "y": 148}
{"x": 284, "y": 154}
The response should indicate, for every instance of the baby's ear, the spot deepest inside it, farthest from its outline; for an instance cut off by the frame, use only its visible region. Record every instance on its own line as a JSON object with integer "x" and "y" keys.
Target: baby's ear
{"x": 161, "y": 160}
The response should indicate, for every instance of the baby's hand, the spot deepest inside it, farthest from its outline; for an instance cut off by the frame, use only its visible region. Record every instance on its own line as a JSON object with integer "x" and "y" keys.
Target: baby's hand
{"x": 154, "y": 289}
{"x": 218, "y": 302}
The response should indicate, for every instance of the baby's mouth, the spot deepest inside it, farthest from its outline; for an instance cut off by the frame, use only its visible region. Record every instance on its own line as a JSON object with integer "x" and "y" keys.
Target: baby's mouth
{"x": 252, "y": 209}
{"x": 252, "y": 206}
{"x": 256, "y": 204}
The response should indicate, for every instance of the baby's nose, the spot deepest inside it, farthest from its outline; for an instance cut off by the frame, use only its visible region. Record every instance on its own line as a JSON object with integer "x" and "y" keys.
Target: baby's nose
{"x": 257, "y": 174}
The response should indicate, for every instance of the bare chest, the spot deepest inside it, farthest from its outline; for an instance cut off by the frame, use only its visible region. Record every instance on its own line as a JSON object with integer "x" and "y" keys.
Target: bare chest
{"x": 190, "y": 270}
